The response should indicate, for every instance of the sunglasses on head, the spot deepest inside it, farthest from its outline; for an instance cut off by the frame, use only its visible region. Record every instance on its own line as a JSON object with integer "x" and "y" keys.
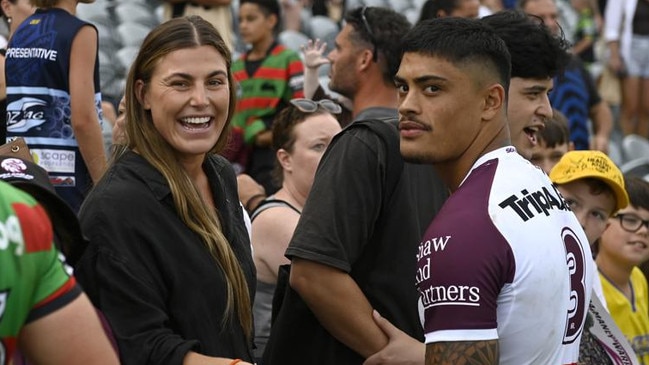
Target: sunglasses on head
{"x": 368, "y": 29}
{"x": 310, "y": 106}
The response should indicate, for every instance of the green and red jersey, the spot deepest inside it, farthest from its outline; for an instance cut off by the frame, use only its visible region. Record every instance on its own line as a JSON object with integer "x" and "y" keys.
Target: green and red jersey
{"x": 280, "y": 77}
{"x": 33, "y": 280}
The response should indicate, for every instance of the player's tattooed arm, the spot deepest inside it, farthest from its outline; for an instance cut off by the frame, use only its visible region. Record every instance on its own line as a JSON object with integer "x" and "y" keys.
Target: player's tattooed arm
{"x": 462, "y": 353}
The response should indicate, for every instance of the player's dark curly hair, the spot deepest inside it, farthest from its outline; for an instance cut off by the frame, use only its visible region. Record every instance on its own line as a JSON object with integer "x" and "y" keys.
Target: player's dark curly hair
{"x": 536, "y": 53}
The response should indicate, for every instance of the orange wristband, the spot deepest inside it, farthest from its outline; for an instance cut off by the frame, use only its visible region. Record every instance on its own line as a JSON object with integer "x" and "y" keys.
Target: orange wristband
{"x": 235, "y": 361}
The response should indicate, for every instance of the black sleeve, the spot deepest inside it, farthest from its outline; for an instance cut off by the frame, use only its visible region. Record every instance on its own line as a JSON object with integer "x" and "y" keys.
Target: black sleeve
{"x": 135, "y": 311}
{"x": 126, "y": 289}
{"x": 334, "y": 227}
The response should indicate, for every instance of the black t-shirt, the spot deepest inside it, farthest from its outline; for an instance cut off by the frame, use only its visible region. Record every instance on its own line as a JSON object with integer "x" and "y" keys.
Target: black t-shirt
{"x": 348, "y": 224}
{"x": 153, "y": 278}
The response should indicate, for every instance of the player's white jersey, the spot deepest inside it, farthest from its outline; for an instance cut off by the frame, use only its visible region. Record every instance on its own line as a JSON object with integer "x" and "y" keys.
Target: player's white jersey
{"x": 506, "y": 259}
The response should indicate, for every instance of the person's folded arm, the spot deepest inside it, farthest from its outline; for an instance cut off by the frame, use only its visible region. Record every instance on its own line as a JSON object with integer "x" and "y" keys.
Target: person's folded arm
{"x": 339, "y": 304}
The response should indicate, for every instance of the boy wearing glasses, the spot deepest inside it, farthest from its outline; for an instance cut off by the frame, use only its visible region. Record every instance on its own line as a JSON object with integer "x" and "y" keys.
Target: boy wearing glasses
{"x": 623, "y": 246}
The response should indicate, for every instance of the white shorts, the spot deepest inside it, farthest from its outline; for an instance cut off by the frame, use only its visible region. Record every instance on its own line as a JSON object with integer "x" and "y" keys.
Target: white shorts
{"x": 638, "y": 63}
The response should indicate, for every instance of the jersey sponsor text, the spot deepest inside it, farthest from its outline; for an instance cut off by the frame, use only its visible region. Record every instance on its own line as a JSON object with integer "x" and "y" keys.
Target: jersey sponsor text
{"x": 26, "y": 113}
{"x": 56, "y": 161}
{"x": 434, "y": 296}
{"x": 437, "y": 244}
{"x": 541, "y": 200}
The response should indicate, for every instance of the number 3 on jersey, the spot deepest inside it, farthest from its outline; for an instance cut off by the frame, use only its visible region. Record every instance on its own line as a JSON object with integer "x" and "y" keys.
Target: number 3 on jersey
{"x": 576, "y": 267}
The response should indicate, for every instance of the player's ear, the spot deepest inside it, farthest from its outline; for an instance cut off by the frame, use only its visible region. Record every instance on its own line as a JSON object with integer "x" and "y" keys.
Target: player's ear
{"x": 494, "y": 101}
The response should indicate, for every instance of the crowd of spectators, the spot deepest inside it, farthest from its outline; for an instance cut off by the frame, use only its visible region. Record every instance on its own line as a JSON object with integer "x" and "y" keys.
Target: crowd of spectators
{"x": 333, "y": 52}
{"x": 122, "y": 25}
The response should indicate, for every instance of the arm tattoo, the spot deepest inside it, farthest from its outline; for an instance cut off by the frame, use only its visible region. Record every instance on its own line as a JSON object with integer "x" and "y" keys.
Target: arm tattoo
{"x": 462, "y": 353}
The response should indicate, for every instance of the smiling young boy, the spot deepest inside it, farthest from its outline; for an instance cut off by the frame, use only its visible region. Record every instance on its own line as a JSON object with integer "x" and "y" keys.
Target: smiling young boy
{"x": 623, "y": 246}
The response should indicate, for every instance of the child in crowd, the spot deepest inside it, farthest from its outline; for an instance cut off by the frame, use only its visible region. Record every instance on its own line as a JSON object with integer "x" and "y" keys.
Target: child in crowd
{"x": 593, "y": 188}
{"x": 53, "y": 96}
{"x": 554, "y": 141}
{"x": 269, "y": 76}
{"x": 623, "y": 246}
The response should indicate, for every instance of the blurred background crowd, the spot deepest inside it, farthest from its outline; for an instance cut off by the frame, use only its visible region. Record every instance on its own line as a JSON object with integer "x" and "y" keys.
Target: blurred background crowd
{"x": 123, "y": 24}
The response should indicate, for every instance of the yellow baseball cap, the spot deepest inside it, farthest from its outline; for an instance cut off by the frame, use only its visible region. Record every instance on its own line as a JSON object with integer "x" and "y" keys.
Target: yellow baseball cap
{"x": 576, "y": 165}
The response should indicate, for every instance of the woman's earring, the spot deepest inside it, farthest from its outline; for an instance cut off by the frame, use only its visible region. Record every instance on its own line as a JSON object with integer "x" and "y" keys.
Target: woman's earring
{"x": 9, "y": 19}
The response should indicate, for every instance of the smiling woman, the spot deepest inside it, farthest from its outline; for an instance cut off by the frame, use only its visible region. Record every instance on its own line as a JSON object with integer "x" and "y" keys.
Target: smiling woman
{"x": 169, "y": 260}
{"x": 188, "y": 105}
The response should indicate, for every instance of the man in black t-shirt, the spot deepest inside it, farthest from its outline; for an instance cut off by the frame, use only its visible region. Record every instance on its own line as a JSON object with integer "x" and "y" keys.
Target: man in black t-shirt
{"x": 354, "y": 249}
